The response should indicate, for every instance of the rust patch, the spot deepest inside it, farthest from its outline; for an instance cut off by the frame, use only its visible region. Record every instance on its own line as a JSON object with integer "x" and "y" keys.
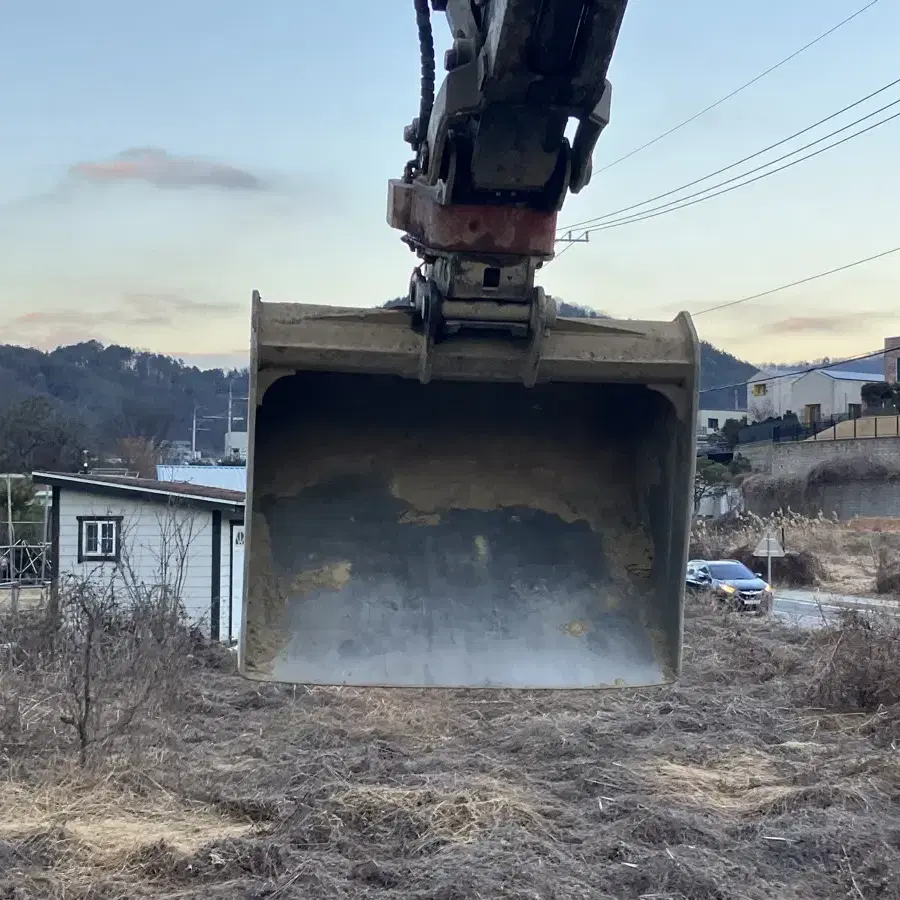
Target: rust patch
{"x": 480, "y": 229}
{"x": 333, "y": 576}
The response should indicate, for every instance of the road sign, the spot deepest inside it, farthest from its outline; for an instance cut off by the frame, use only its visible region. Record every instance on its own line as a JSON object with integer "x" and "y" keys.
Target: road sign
{"x": 770, "y": 548}
{"x": 769, "y": 545}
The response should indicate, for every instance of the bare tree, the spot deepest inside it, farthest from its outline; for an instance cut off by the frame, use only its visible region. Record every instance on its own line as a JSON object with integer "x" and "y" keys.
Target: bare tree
{"x": 123, "y": 640}
{"x": 761, "y": 409}
{"x": 142, "y": 455}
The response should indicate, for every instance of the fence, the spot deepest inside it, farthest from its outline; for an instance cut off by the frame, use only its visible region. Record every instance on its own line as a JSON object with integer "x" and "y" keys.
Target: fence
{"x": 795, "y": 430}
{"x": 24, "y": 564}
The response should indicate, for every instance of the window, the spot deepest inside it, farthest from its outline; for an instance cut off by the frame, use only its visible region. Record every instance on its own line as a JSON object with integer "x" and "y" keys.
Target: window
{"x": 99, "y": 539}
{"x": 730, "y": 570}
{"x": 712, "y": 424}
{"x": 854, "y": 410}
{"x": 760, "y": 390}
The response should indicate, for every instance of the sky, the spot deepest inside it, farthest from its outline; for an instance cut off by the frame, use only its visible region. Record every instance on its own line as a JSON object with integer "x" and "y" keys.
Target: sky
{"x": 161, "y": 161}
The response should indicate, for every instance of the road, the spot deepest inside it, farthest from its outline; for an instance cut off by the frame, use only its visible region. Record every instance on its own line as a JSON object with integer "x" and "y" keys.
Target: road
{"x": 812, "y": 609}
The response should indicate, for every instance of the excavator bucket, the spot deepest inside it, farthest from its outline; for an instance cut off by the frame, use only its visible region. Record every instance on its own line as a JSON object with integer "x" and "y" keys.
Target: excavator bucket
{"x": 468, "y": 531}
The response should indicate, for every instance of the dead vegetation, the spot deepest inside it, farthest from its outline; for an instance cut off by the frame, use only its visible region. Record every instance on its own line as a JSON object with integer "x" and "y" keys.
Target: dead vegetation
{"x": 769, "y": 771}
{"x": 841, "y": 557}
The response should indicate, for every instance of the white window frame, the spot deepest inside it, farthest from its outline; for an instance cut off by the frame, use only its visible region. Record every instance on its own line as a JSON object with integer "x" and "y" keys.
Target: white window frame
{"x": 99, "y": 538}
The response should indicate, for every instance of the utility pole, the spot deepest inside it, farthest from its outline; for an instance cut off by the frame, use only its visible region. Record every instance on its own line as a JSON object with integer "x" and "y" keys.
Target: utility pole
{"x": 195, "y": 427}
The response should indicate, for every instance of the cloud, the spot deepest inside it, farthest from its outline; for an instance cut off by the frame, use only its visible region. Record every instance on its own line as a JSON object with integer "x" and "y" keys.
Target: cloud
{"x": 52, "y": 328}
{"x": 174, "y": 304}
{"x": 164, "y": 170}
{"x": 825, "y": 324}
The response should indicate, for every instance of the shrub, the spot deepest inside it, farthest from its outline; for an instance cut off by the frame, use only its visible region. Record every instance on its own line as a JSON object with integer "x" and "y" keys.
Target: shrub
{"x": 855, "y": 665}
{"x": 887, "y": 571}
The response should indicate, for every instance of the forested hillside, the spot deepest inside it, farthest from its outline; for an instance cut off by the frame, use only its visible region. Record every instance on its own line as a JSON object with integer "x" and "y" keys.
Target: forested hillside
{"x": 88, "y": 396}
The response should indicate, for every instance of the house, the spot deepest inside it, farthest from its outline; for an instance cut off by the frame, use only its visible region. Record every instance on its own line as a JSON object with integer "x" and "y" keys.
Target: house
{"x": 891, "y": 360}
{"x": 710, "y": 421}
{"x": 188, "y": 539}
{"x": 826, "y": 394}
{"x": 769, "y": 393}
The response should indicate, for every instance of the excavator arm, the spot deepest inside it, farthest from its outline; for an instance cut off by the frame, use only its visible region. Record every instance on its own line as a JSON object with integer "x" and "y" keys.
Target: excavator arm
{"x": 497, "y": 496}
{"x": 478, "y": 202}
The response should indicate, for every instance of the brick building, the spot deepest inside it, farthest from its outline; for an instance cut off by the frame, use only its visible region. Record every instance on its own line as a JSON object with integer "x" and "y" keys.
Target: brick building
{"x": 892, "y": 360}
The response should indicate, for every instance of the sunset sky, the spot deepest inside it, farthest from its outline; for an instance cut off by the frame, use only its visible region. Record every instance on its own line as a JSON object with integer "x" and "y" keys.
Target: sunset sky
{"x": 160, "y": 161}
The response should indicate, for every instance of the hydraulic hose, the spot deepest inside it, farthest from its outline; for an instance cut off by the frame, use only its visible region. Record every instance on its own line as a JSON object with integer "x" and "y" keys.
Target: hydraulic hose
{"x": 426, "y": 51}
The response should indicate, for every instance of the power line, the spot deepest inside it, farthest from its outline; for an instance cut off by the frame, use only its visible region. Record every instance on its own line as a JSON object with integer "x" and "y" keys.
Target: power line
{"x": 815, "y": 368}
{"x": 739, "y": 162}
{"x": 809, "y": 278}
{"x": 738, "y": 90}
{"x": 675, "y": 205}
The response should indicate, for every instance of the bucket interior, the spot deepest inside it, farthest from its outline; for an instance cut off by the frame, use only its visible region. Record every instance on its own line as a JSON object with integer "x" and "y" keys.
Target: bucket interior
{"x": 464, "y": 534}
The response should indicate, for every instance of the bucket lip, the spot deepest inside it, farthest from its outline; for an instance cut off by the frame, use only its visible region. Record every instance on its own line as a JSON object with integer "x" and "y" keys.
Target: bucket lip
{"x": 300, "y": 312}
{"x": 290, "y": 337}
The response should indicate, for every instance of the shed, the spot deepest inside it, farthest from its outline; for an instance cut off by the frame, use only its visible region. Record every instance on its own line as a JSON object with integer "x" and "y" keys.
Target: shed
{"x": 187, "y": 537}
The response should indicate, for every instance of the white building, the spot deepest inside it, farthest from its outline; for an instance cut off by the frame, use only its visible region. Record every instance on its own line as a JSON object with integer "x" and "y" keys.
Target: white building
{"x": 232, "y": 478}
{"x": 819, "y": 395}
{"x": 710, "y": 421}
{"x": 236, "y": 445}
{"x": 769, "y": 394}
{"x": 135, "y": 531}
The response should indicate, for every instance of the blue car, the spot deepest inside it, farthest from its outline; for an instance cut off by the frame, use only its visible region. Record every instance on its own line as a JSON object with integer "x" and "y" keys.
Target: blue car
{"x": 732, "y": 582}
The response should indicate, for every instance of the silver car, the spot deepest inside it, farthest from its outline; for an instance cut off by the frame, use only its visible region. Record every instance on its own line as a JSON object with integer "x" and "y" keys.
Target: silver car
{"x": 732, "y": 582}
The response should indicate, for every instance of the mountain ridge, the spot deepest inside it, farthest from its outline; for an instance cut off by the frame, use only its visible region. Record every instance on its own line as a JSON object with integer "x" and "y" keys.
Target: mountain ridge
{"x": 103, "y": 393}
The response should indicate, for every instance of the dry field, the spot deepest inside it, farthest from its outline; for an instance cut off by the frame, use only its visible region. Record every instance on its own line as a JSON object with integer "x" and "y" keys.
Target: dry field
{"x": 848, "y": 554}
{"x": 771, "y": 771}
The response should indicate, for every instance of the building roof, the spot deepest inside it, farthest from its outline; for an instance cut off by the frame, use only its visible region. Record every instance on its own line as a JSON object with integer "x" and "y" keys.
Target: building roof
{"x": 773, "y": 373}
{"x": 147, "y": 488}
{"x": 232, "y": 478}
{"x": 849, "y": 376}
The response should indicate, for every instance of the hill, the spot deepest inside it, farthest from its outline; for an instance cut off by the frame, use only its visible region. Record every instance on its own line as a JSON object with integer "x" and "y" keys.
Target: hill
{"x": 87, "y": 396}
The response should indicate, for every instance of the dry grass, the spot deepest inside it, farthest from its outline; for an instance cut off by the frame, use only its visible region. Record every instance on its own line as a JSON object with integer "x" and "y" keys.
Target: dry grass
{"x": 109, "y": 820}
{"x": 845, "y": 556}
{"x": 752, "y": 778}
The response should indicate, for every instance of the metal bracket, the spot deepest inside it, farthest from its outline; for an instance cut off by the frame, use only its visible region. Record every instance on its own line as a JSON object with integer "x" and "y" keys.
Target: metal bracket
{"x": 429, "y": 303}
{"x": 543, "y": 318}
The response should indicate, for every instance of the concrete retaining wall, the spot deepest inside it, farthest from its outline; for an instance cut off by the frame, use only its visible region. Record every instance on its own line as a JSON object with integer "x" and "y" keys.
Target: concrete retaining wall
{"x": 841, "y": 501}
{"x": 796, "y": 458}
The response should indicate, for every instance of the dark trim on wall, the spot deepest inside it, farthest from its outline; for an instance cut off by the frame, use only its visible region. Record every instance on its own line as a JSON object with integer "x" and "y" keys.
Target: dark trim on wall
{"x": 53, "y": 611}
{"x": 215, "y": 604}
{"x": 115, "y": 557}
{"x": 234, "y": 523}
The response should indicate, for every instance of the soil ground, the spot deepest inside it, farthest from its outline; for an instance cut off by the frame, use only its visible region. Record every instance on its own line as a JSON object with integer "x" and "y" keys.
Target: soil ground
{"x": 736, "y": 783}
